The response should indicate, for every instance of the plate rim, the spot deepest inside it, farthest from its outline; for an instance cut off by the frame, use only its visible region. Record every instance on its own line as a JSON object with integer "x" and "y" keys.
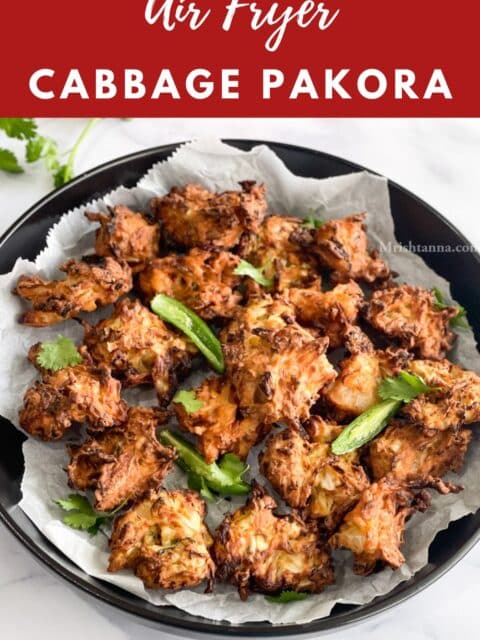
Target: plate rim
{"x": 199, "y": 624}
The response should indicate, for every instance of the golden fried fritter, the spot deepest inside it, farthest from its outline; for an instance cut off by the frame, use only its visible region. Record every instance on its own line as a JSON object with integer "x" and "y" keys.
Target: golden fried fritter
{"x": 90, "y": 283}
{"x": 409, "y": 314}
{"x": 126, "y": 235}
{"x": 373, "y": 529}
{"x": 334, "y": 311}
{"x": 140, "y": 348}
{"x": 195, "y": 217}
{"x": 309, "y": 477}
{"x": 456, "y": 400}
{"x": 356, "y": 388}
{"x": 342, "y": 246}
{"x": 219, "y": 423}
{"x": 282, "y": 260}
{"x": 409, "y": 452}
{"x": 83, "y": 393}
{"x": 277, "y": 368}
{"x": 202, "y": 280}
{"x": 257, "y": 550}
{"x": 122, "y": 463}
{"x": 164, "y": 540}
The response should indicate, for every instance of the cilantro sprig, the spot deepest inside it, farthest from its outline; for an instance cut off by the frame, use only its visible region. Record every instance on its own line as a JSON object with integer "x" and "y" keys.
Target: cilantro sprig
{"x": 58, "y": 355}
{"x": 245, "y": 268}
{"x": 460, "y": 320}
{"x": 287, "y": 596}
{"x": 19, "y": 128}
{"x": 394, "y": 392}
{"x": 189, "y": 400}
{"x": 39, "y": 147}
{"x": 312, "y": 221}
{"x": 404, "y": 387}
{"x": 81, "y": 515}
{"x": 9, "y": 162}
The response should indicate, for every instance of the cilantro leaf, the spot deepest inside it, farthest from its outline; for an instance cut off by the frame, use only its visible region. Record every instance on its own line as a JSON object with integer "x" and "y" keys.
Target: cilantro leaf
{"x": 287, "y": 596}
{"x": 81, "y": 515}
{"x": 19, "y": 128}
{"x": 84, "y": 522}
{"x": 74, "y": 502}
{"x": 244, "y": 268}
{"x": 9, "y": 162}
{"x": 405, "y": 387}
{"x": 312, "y": 222}
{"x": 189, "y": 400}
{"x": 232, "y": 466}
{"x": 394, "y": 392}
{"x": 460, "y": 320}
{"x": 59, "y": 354}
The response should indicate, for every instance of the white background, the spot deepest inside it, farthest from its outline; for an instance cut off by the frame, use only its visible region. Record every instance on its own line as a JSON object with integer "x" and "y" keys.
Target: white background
{"x": 439, "y": 160}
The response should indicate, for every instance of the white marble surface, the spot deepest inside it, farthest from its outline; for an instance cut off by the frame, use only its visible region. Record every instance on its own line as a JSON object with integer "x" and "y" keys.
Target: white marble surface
{"x": 438, "y": 160}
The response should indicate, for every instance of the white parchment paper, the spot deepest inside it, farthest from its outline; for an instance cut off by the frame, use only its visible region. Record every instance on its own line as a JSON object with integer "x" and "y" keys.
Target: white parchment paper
{"x": 216, "y": 166}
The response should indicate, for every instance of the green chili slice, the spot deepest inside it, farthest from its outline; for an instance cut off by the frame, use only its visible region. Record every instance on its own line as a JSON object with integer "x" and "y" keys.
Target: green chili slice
{"x": 191, "y": 325}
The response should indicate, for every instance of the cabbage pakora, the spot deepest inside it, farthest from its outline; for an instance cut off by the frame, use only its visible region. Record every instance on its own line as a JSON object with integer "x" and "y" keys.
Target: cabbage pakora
{"x": 122, "y": 463}
{"x": 373, "y": 530}
{"x": 195, "y": 217}
{"x": 342, "y": 247}
{"x": 164, "y": 540}
{"x": 283, "y": 261}
{"x": 334, "y": 312}
{"x": 409, "y": 452}
{"x": 277, "y": 368}
{"x": 410, "y": 315}
{"x": 138, "y": 347}
{"x": 356, "y": 388}
{"x": 202, "y": 280}
{"x": 218, "y": 423}
{"x": 309, "y": 477}
{"x": 256, "y": 550}
{"x": 82, "y": 393}
{"x": 455, "y": 400}
{"x": 126, "y": 235}
{"x": 90, "y": 283}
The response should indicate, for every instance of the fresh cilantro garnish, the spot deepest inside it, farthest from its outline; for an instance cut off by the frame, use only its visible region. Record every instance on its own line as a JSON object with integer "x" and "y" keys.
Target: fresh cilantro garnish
{"x": 231, "y": 465}
{"x": 189, "y": 400}
{"x": 287, "y": 596}
{"x": 9, "y": 162}
{"x": 312, "y": 222}
{"x": 460, "y": 320}
{"x": 81, "y": 515}
{"x": 59, "y": 354}
{"x": 39, "y": 148}
{"x": 244, "y": 268}
{"x": 405, "y": 387}
{"x": 224, "y": 476}
{"x": 394, "y": 392}
{"x": 64, "y": 173}
{"x": 19, "y": 128}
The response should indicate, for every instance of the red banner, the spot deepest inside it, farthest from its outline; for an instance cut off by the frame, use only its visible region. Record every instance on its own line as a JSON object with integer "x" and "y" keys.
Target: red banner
{"x": 239, "y": 58}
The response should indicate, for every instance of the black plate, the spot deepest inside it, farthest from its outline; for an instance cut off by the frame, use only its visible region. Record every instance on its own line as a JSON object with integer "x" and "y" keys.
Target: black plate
{"x": 414, "y": 220}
